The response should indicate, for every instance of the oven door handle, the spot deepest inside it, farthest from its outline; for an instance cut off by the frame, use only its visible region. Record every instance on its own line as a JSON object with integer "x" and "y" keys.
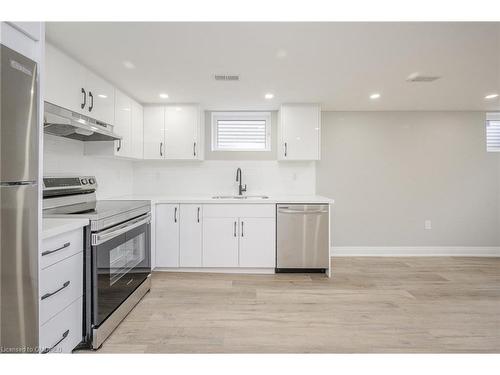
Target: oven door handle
{"x": 101, "y": 237}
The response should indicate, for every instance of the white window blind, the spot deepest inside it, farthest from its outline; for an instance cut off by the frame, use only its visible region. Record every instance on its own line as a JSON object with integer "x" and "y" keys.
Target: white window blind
{"x": 241, "y": 131}
{"x": 493, "y": 132}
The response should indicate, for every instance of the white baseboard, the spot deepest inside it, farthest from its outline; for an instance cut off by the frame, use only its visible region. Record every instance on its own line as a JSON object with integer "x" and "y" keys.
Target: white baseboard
{"x": 415, "y": 251}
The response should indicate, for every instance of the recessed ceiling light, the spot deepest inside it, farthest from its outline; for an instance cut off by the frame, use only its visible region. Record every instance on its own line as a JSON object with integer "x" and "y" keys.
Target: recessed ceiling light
{"x": 281, "y": 53}
{"x": 269, "y": 95}
{"x": 163, "y": 95}
{"x": 102, "y": 96}
{"x": 128, "y": 64}
{"x": 491, "y": 96}
{"x": 375, "y": 95}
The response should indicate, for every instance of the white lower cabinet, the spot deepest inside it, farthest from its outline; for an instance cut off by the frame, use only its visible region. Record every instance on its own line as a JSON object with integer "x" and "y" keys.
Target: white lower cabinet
{"x": 61, "y": 292}
{"x": 257, "y": 242}
{"x": 60, "y": 285}
{"x": 167, "y": 235}
{"x": 63, "y": 332}
{"x": 190, "y": 239}
{"x": 215, "y": 235}
{"x": 220, "y": 242}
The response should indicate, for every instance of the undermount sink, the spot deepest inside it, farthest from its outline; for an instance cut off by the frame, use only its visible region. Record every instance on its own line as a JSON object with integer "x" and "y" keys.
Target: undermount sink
{"x": 240, "y": 197}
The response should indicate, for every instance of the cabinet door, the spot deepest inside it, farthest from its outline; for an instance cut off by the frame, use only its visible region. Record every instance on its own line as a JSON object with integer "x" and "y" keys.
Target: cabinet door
{"x": 220, "y": 242}
{"x": 65, "y": 80}
{"x": 190, "y": 235}
{"x": 167, "y": 235}
{"x": 123, "y": 120}
{"x": 257, "y": 242}
{"x": 300, "y": 127}
{"x": 154, "y": 135}
{"x": 181, "y": 131}
{"x": 101, "y": 99}
{"x": 137, "y": 130}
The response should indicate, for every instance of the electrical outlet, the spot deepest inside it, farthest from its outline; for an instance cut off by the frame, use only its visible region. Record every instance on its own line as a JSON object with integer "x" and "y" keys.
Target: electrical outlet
{"x": 428, "y": 224}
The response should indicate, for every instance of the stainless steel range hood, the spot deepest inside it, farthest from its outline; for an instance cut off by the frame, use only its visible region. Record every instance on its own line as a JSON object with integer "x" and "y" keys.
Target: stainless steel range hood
{"x": 65, "y": 123}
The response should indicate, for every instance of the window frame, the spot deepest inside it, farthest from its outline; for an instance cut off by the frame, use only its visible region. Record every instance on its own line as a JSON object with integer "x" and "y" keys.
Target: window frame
{"x": 491, "y": 117}
{"x": 240, "y": 115}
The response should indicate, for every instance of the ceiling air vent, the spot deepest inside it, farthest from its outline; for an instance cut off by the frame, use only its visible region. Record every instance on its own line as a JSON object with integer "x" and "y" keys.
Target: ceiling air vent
{"x": 227, "y": 77}
{"x": 417, "y": 77}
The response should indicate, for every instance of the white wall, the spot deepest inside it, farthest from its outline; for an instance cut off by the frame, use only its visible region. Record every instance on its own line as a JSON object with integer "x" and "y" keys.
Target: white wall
{"x": 390, "y": 171}
{"x": 65, "y": 156}
{"x": 219, "y": 177}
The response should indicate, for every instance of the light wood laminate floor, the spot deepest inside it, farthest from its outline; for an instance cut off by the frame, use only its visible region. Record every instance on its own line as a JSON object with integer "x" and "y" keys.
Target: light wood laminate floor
{"x": 371, "y": 305}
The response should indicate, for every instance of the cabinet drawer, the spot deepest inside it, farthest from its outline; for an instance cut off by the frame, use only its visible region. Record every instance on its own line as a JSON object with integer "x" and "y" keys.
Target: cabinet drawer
{"x": 63, "y": 332}
{"x": 57, "y": 248}
{"x": 60, "y": 285}
{"x": 239, "y": 210}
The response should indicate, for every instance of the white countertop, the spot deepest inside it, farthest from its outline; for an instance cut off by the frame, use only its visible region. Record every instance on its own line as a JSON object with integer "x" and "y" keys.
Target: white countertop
{"x": 273, "y": 199}
{"x": 53, "y": 227}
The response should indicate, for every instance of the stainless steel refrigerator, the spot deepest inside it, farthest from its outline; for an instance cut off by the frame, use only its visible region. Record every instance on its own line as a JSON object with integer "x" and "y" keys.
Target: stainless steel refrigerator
{"x": 18, "y": 202}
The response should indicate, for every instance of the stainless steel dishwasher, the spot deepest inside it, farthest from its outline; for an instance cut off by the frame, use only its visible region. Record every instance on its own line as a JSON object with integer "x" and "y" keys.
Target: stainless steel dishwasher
{"x": 302, "y": 238}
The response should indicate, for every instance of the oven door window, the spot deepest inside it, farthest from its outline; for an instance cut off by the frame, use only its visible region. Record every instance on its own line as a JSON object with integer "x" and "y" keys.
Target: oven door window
{"x": 120, "y": 266}
{"x": 124, "y": 258}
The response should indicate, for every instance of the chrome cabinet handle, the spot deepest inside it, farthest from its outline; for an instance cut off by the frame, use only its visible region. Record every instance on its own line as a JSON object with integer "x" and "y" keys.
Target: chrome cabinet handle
{"x": 119, "y": 145}
{"x": 47, "y": 295}
{"x": 234, "y": 229}
{"x": 64, "y": 335}
{"x": 194, "y": 149}
{"x": 84, "y": 98}
{"x": 198, "y": 215}
{"x": 67, "y": 244}
{"x": 175, "y": 215}
{"x": 161, "y": 148}
{"x": 242, "y": 233}
{"x": 286, "y": 149}
{"x": 91, "y": 106}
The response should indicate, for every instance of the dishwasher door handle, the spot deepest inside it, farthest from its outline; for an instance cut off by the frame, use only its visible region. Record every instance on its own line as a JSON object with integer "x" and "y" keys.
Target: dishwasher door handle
{"x": 301, "y": 212}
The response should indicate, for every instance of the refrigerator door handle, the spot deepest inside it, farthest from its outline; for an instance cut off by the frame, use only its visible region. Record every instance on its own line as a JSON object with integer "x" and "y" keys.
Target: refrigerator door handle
{"x": 18, "y": 183}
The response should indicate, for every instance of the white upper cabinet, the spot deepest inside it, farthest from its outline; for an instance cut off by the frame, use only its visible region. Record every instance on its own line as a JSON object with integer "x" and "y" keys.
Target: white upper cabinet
{"x": 128, "y": 116}
{"x": 101, "y": 98}
{"x": 154, "y": 132}
{"x": 299, "y": 132}
{"x": 123, "y": 121}
{"x": 65, "y": 81}
{"x": 172, "y": 132}
{"x": 182, "y": 123}
{"x": 137, "y": 130}
{"x": 70, "y": 85}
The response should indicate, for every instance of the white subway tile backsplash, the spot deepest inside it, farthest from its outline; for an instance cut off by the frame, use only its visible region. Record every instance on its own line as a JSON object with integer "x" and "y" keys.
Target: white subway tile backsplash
{"x": 63, "y": 156}
{"x": 123, "y": 177}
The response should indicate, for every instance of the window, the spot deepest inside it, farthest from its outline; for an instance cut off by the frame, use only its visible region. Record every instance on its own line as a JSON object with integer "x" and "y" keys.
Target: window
{"x": 493, "y": 132}
{"x": 241, "y": 131}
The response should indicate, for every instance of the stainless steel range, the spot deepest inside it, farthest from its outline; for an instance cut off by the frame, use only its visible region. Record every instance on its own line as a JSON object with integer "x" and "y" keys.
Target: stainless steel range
{"x": 118, "y": 250}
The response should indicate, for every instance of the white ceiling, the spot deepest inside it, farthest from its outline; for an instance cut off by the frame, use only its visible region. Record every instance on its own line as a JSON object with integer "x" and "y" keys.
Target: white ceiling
{"x": 336, "y": 64}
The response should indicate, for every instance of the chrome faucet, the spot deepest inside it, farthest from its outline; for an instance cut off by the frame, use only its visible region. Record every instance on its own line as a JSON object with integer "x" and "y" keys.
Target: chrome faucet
{"x": 241, "y": 188}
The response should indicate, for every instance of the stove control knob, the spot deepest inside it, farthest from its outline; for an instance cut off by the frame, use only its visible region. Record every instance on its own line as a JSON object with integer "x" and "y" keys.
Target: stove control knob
{"x": 84, "y": 181}
{"x": 91, "y": 181}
